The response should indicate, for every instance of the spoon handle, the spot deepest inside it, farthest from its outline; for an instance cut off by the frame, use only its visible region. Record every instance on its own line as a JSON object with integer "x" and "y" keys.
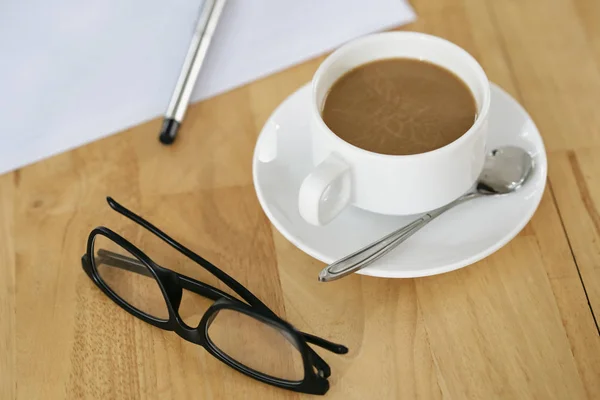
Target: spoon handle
{"x": 374, "y": 251}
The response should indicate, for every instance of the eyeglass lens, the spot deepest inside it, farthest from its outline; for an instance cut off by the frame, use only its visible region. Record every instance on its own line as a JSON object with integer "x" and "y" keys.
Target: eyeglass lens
{"x": 256, "y": 344}
{"x": 139, "y": 289}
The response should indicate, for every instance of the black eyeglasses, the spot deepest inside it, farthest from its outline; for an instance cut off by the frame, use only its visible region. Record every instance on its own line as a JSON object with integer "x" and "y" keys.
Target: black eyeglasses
{"x": 248, "y": 337}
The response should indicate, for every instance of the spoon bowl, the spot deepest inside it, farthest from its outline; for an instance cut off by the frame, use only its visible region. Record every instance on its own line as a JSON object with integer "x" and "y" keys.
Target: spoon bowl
{"x": 505, "y": 170}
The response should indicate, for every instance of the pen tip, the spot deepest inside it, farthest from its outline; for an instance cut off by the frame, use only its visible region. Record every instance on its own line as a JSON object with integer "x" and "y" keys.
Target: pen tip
{"x": 168, "y": 131}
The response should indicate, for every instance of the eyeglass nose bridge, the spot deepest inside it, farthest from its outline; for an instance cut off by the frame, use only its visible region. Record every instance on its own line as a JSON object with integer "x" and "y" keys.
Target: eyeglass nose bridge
{"x": 198, "y": 334}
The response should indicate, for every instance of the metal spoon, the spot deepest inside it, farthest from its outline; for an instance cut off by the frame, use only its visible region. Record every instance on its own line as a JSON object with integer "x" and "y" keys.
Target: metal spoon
{"x": 506, "y": 169}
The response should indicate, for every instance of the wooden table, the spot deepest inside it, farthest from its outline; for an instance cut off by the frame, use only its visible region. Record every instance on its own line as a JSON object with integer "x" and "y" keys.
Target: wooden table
{"x": 520, "y": 324}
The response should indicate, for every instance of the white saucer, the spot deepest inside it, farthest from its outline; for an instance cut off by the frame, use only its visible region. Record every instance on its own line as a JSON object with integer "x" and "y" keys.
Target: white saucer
{"x": 460, "y": 237}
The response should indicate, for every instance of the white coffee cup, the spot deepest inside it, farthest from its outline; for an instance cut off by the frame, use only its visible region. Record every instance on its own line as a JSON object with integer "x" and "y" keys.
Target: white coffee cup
{"x": 391, "y": 184}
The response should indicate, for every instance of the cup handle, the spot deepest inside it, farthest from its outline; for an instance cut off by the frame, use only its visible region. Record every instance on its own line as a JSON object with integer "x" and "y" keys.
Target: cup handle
{"x": 325, "y": 192}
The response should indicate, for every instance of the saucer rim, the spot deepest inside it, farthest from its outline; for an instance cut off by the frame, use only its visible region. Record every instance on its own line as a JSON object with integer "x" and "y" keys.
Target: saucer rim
{"x": 542, "y": 164}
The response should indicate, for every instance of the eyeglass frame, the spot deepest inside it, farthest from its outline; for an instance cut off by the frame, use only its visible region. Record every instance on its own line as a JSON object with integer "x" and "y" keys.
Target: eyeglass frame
{"x": 171, "y": 284}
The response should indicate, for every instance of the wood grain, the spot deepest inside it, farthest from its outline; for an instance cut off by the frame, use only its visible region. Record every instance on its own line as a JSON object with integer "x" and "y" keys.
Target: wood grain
{"x": 579, "y": 202}
{"x": 521, "y": 324}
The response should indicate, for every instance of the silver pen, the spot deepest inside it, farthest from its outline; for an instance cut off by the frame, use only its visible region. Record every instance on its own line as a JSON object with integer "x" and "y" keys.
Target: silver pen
{"x": 203, "y": 33}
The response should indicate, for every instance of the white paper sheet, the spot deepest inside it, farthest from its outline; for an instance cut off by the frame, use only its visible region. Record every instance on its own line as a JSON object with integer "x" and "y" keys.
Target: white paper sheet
{"x": 74, "y": 71}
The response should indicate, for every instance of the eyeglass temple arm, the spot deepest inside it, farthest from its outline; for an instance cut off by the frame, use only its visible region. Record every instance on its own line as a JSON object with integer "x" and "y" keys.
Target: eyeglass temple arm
{"x": 207, "y": 265}
{"x": 203, "y": 289}
{"x": 325, "y": 344}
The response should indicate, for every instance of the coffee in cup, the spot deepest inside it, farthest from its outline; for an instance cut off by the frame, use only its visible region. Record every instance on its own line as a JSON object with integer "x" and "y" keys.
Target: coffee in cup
{"x": 399, "y": 106}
